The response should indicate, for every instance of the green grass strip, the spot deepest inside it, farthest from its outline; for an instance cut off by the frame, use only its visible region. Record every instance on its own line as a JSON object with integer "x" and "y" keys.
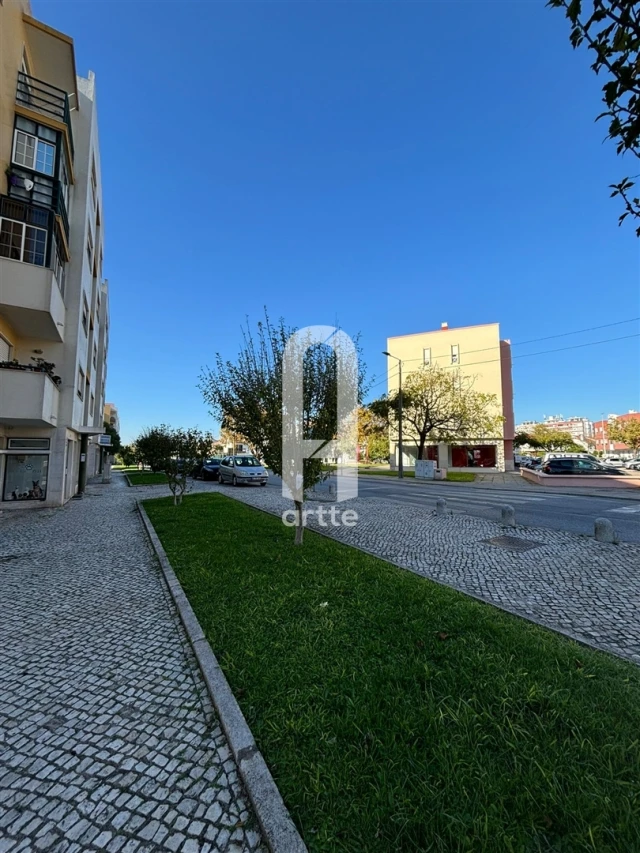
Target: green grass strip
{"x": 146, "y": 478}
{"x": 400, "y": 715}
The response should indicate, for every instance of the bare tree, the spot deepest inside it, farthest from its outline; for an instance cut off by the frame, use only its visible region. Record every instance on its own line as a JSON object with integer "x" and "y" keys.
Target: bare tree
{"x": 248, "y": 395}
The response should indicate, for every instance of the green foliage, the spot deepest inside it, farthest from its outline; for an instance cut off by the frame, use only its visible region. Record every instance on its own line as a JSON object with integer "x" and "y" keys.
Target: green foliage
{"x": 521, "y": 439}
{"x": 400, "y": 715}
{"x": 128, "y": 455}
{"x": 626, "y": 432}
{"x": 378, "y": 447}
{"x": 547, "y": 438}
{"x": 611, "y": 29}
{"x": 440, "y": 405}
{"x": 175, "y": 452}
{"x": 116, "y": 444}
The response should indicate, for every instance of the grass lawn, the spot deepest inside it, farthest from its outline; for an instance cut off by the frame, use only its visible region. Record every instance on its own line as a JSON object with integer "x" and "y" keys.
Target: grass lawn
{"x": 146, "y": 478}
{"x": 397, "y": 715}
{"x": 452, "y": 476}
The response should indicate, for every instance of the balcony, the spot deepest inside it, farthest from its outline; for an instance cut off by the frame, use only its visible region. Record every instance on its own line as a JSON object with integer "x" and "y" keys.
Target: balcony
{"x": 46, "y": 100}
{"x": 31, "y": 300}
{"x": 28, "y": 398}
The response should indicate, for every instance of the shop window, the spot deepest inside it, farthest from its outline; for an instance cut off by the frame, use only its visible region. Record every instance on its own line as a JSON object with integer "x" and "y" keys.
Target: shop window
{"x": 25, "y": 477}
{"x": 474, "y": 456}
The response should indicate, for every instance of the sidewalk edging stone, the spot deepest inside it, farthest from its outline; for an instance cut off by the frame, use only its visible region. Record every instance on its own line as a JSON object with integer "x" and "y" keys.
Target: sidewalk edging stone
{"x": 278, "y": 828}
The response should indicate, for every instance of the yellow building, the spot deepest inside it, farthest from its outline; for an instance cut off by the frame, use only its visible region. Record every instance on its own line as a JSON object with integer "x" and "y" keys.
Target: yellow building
{"x": 477, "y": 352}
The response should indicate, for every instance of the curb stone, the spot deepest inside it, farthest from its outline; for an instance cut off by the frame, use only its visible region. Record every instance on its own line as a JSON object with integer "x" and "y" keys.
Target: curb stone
{"x": 278, "y": 828}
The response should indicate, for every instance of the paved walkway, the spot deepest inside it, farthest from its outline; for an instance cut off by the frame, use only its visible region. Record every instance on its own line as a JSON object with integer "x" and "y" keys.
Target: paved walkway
{"x": 588, "y": 590}
{"x": 107, "y": 739}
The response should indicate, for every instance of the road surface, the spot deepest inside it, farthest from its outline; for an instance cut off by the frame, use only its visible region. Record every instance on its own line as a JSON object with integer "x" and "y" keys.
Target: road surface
{"x": 533, "y": 508}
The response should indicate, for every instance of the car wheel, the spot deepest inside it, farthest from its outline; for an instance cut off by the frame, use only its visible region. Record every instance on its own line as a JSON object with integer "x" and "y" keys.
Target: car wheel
{"x": 234, "y": 481}
{"x": 263, "y": 484}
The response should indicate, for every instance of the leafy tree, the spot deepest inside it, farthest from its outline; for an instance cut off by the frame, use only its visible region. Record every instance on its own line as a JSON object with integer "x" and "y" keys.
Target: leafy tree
{"x": 548, "y": 438}
{"x": 188, "y": 447}
{"x": 378, "y": 447}
{"x": 248, "y": 395}
{"x": 128, "y": 455}
{"x": 611, "y": 29}
{"x": 440, "y": 405}
{"x": 373, "y": 434}
{"x": 626, "y": 432}
{"x": 154, "y": 446}
{"x": 522, "y": 438}
{"x": 116, "y": 444}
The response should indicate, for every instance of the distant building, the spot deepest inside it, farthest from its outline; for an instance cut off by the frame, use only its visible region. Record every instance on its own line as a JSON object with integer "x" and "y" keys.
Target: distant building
{"x": 111, "y": 416}
{"x": 476, "y": 351}
{"x": 580, "y": 429}
{"x": 601, "y": 442}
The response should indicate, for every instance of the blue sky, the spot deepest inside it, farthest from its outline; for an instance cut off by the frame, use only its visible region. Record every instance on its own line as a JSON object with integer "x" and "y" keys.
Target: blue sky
{"x": 390, "y": 165}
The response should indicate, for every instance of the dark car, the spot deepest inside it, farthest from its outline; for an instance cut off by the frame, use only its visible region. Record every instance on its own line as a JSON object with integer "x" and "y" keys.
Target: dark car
{"x": 207, "y": 470}
{"x": 577, "y": 466}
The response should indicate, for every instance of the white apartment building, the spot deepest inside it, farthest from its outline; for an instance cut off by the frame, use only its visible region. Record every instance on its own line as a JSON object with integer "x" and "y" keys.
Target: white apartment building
{"x": 54, "y": 306}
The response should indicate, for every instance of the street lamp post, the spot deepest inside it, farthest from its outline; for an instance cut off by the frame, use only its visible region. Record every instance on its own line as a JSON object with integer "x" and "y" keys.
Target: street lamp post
{"x": 400, "y": 462}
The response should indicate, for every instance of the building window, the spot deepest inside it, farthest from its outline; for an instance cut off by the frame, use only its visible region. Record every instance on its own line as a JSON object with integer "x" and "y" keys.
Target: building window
{"x": 80, "y": 383}
{"x": 85, "y": 315}
{"x": 30, "y": 187}
{"x": 94, "y": 184}
{"x": 25, "y": 477}
{"x": 90, "y": 246}
{"x": 59, "y": 269}
{"x": 475, "y": 456}
{"x": 34, "y": 153}
{"x": 64, "y": 179}
{"x": 92, "y": 405}
{"x": 22, "y": 242}
{"x": 426, "y": 356}
{"x": 95, "y": 355}
{"x": 455, "y": 354}
{"x": 29, "y": 444}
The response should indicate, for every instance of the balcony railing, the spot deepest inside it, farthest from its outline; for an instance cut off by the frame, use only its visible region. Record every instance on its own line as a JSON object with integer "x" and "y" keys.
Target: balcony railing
{"x": 45, "y": 99}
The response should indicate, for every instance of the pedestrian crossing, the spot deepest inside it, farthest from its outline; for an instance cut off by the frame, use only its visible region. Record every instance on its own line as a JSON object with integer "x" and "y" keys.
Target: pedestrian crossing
{"x": 627, "y": 510}
{"x": 483, "y": 499}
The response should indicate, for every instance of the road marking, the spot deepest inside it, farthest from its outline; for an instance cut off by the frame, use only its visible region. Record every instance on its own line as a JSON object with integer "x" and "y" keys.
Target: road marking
{"x": 476, "y": 499}
{"x": 626, "y": 509}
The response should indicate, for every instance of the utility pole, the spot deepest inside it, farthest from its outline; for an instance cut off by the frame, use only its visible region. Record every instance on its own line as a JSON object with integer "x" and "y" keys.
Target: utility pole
{"x": 400, "y": 462}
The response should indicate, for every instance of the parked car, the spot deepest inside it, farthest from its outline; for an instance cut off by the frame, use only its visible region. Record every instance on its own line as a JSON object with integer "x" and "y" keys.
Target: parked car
{"x": 242, "y": 470}
{"x": 532, "y": 463}
{"x": 559, "y": 454}
{"x": 633, "y": 464}
{"x": 577, "y": 466}
{"x": 613, "y": 462}
{"x": 207, "y": 470}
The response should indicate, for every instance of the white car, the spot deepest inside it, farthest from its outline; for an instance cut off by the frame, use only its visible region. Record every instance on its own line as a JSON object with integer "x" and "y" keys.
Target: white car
{"x": 242, "y": 470}
{"x": 613, "y": 462}
{"x": 633, "y": 464}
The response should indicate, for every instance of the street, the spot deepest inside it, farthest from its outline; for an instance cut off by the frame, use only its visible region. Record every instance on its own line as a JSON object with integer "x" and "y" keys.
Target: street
{"x": 575, "y": 514}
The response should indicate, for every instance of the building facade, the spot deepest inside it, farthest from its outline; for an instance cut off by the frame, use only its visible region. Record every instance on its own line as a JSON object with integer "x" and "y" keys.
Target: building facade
{"x": 54, "y": 306}
{"x": 477, "y": 352}
{"x": 601, "y": 442}
{"x": 111, "y": 416}
{"x": 580, "y": 429}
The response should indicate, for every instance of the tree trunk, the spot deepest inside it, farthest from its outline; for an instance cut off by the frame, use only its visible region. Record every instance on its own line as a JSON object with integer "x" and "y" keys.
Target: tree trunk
{"x": 423, "y": 439}
{"x": 299, "y": 525}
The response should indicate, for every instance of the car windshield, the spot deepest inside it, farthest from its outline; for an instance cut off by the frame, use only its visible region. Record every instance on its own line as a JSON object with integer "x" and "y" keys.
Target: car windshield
{"x": 246, "y": 461}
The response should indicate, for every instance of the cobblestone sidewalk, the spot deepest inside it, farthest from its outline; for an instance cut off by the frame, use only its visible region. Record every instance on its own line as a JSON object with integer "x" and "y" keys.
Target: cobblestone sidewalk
{"x": 568, "y": 582}
{"x": 108, "y": 741}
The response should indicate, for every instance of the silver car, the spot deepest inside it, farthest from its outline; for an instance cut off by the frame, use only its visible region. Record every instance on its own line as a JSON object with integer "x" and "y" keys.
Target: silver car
{"x": 242, "y": 470}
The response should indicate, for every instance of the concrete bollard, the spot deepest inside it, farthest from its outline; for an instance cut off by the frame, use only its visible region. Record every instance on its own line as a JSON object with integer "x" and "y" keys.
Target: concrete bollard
{"x": 441, "y": 506}
{"x": 604, "y": 531}
{"x": 507, "y": 516}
